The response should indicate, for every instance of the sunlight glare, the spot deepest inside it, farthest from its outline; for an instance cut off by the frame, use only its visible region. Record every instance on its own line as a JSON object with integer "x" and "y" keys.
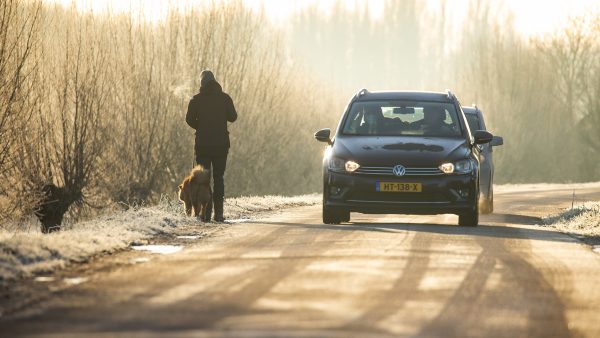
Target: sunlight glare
{"x": 276, "y": 10}
{"x": 531, "y": 17}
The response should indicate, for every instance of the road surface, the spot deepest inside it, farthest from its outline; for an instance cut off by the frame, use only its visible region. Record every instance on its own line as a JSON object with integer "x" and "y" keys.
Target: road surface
{"x": 379, "y": 276}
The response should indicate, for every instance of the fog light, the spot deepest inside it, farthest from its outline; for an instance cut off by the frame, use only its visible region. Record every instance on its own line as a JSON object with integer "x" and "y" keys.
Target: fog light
{"x": 335, "y": 191}
{"x": 463, "y": 193}
{"x": 447, "y": 168}
{"x": 351, "y": 166}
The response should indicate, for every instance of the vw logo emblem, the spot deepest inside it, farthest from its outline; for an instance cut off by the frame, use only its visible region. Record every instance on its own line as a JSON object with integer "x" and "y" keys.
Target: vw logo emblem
{"x": 399, "y": 170}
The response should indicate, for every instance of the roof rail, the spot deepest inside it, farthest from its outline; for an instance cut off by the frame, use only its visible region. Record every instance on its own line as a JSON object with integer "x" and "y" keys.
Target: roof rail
{"x": 450, "y": 95}
{"x": 361, "y": 92}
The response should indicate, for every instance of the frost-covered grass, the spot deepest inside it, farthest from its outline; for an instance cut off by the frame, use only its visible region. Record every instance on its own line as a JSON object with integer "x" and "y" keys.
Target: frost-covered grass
{"x": 533, "y": 187}
{"x": 583, "y": 220}
{"x": 245, "y": 206}
{"x": 27, "y": 252}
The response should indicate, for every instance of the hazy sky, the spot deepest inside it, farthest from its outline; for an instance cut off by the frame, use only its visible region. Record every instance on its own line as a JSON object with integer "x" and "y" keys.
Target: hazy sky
{"x": 531, "y": 16}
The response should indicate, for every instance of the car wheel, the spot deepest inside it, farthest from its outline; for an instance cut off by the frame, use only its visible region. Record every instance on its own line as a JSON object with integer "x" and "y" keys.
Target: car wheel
{"x": 345, "y": 215}
{"x": 331, "y": 216}
{"x": 470, "y": 218}
{"x": 485, "y": 207}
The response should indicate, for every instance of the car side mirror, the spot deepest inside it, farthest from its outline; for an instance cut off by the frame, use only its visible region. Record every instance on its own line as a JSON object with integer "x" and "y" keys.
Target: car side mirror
{"x": 482, "y": 137}
{"x": 497, "y": 141}
{"x": 323, "y": 136}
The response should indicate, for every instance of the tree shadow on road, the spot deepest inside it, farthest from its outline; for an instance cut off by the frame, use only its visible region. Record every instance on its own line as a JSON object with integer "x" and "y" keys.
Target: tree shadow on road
{"x": 510, "y": 219}
{"x": 514, "y": 227}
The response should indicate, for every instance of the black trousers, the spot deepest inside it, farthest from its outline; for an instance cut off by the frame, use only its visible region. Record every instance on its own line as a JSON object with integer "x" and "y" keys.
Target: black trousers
{"x": 215, "y": 159}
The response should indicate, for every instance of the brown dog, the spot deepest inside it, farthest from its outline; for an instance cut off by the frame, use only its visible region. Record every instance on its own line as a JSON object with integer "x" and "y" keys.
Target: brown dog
{"x": 195, "y": 193}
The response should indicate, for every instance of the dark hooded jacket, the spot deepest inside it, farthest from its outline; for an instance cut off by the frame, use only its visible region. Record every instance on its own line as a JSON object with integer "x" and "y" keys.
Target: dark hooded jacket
{"x": 208, "y": 113}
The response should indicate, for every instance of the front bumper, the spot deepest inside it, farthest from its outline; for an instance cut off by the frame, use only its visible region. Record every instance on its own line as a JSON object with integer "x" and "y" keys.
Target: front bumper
{"x": 443, "y": 194}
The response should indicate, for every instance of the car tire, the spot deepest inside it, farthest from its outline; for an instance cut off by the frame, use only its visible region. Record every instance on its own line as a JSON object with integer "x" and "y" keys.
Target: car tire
{"x": 331, "y": 216}
{"x": 487, "y": 207}
{"x": 345, "y": 215}
{"x": 469, "y": 218}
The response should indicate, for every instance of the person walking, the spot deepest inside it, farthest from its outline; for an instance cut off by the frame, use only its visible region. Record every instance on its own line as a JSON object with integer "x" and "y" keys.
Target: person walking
{"x": 208, "y": 113}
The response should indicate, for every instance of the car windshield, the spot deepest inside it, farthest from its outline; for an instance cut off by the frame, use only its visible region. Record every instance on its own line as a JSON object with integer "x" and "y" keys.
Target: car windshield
{"x": 402, "y": 118}
{"x": 473, "y": 121}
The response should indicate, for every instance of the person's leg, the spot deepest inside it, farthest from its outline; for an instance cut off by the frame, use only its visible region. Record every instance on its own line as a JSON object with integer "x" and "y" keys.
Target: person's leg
{"x": 203, "y": 158}
{"x": 219, "y": 162}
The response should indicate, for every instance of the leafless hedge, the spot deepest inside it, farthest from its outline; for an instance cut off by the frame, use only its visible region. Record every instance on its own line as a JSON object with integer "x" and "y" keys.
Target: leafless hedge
{"x": 104, "y": 117}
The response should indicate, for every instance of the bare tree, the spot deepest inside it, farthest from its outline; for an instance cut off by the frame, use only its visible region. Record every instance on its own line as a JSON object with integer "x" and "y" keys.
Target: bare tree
{"x": 570, "y": 54}
{"x": 19, "y": 25}
{"x": 588, "y": 125}
{"x": 61, "y": 150}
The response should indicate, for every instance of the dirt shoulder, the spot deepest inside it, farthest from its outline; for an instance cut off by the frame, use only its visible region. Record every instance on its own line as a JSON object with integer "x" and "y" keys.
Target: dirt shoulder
{"x": 27, "y": 253}
{"x": 158, "y": 227}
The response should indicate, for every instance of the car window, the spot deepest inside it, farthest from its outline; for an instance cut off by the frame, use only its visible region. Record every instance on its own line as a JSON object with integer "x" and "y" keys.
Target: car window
{"x": 474, "y": 123}
{"x": 402, "y": 118}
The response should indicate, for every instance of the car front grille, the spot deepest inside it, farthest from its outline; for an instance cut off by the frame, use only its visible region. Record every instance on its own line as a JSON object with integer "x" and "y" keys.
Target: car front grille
{"x": 398, "y": 197}
{"x": 388, "y": 171}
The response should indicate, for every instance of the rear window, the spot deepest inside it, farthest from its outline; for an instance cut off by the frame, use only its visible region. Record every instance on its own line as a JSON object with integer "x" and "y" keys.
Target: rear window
{"x": 473, "y": 121}
{"x": 402, "y": 118}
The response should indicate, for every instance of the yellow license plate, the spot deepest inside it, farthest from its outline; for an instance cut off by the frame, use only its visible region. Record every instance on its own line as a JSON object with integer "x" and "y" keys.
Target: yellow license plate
{"x": 398, "y": 187}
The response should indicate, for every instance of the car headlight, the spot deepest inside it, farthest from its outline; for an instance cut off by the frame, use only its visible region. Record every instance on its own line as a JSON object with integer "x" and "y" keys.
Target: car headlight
{"x": 351, "y": 166}
{"x": 460, "y": 167}
{"x": 337, "y": 164}
{"x": 463, "y": 167}
{"x": 447, "y": 168}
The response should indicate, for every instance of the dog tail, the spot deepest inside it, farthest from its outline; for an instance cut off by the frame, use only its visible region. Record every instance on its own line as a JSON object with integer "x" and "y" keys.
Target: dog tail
{"x": 200, "y": 175}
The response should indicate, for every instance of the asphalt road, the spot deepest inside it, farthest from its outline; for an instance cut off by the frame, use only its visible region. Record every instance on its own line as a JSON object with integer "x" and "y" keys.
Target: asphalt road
{"x": 291, "y": 276}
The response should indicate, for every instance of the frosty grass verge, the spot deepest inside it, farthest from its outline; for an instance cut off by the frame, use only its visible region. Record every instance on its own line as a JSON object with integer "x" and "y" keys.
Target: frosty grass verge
{"x": 583, "y": 220}
{"x": 24, "y": 253}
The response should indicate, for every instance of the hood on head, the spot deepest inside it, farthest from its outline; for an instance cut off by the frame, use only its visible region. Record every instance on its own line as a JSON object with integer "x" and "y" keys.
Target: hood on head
{"x": 211, "y": 88}
{"x": 205, "y": 77}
